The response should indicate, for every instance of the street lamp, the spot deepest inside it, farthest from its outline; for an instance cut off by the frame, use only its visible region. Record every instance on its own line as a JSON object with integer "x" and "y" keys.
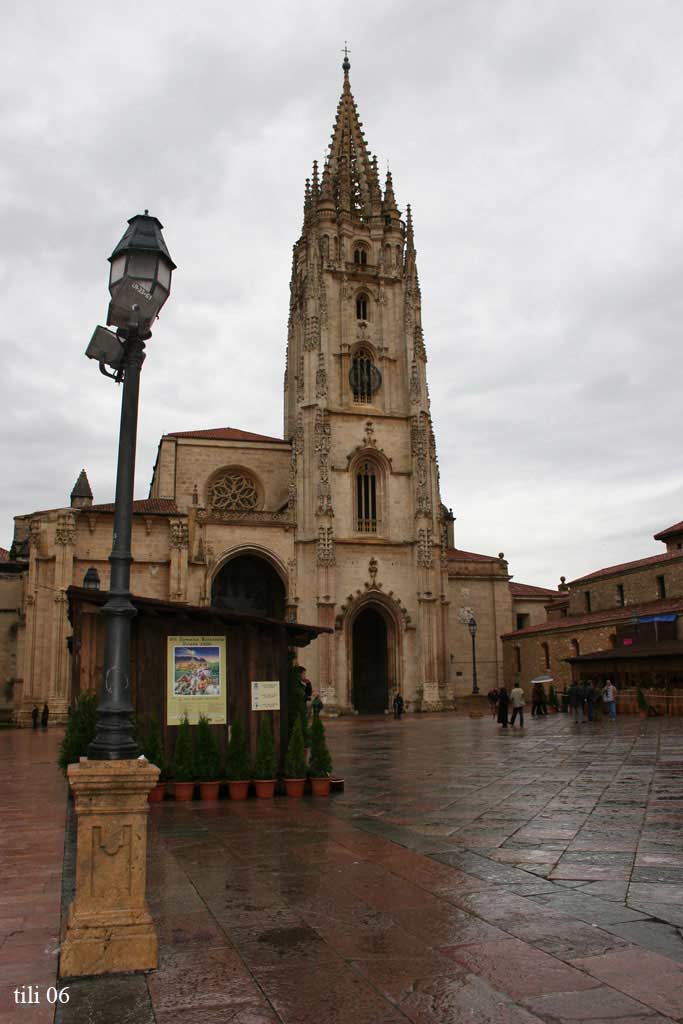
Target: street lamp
{"x": 139, "y": 284}
{"x": 472, "y": 626}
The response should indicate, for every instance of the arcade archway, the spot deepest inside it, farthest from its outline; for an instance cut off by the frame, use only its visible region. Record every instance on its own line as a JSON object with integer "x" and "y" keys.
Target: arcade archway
{"x": 249, "y": 583}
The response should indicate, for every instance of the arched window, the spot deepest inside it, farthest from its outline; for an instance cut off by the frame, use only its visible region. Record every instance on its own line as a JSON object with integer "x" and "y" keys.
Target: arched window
{"x": 362, "y": 307}
{"x": 576, "y": 650}
{"x": 360, "y": 257}
{"x": 367, "y": 498}
{"x": 518, "y": 658}
{"x": 363, "y": 376}
{"x": 546, "y": 655}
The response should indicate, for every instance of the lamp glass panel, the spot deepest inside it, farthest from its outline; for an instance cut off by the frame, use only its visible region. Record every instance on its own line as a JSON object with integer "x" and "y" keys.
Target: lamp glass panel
{"x": 142, "y": 265}
{"x": 164, "y": 275}
{"x": 118, "y": 267}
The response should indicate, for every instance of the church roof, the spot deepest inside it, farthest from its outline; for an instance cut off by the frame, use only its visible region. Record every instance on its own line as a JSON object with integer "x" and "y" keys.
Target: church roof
{"x": 82, "y": 487}
{"x": 615, "y": 570}
{"x": 456, "y": 555}
{"x": 146, "y": 506}
{"x": 226, "y": 434}
{"x": 670, "y": 531}
{"x": 528, "y": 590}
{"x": 608, "y": 616}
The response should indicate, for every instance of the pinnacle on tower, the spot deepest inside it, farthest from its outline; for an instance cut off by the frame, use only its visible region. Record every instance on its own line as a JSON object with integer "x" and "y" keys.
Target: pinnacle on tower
{"x": 81, "y": 495}
{"x": 389, "y": 197}
{"x": 410, "y": 238}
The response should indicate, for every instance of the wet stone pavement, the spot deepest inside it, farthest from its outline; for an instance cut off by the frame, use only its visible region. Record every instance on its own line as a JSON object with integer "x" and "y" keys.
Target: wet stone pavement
{"x": 463, "y": 875}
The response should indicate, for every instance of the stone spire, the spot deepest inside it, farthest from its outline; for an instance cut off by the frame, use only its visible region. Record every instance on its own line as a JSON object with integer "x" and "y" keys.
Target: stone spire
{"x": 81, "y": 495}
{"x": 348, "y": 176}
{"x": 389, "y": 197}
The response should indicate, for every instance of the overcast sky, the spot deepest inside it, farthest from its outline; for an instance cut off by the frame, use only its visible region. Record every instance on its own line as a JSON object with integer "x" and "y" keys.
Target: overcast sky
{"x": 540, "y": 145}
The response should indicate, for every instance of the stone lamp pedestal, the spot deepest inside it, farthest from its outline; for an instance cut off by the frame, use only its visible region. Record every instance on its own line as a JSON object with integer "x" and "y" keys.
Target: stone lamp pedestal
{"x": 109, "y": 927}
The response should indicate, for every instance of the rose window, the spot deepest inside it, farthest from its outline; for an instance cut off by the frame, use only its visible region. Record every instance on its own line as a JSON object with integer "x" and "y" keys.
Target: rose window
{"x": 233, "y": 491}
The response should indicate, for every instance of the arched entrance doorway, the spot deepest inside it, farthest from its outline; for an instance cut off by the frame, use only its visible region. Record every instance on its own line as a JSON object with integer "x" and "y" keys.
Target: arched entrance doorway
{"x": 249, "y": 583}
{"x": 370, "y": 663}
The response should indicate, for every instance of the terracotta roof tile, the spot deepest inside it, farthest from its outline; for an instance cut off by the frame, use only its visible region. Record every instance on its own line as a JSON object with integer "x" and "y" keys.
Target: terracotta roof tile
{"x": 4, "y": 555}
{"x": 614, "y": 570}
{"x": 527, "y": 590}
{"x": 670, "y": 531}
{"x": 226, "y": 434}
{"x": 672, "y": 604}
{"x": 163, "y": 506}
{"x": 457, "y": 555}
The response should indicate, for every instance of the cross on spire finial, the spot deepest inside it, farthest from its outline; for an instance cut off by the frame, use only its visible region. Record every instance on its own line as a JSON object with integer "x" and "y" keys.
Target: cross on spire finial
{"x": 346, "y": 63}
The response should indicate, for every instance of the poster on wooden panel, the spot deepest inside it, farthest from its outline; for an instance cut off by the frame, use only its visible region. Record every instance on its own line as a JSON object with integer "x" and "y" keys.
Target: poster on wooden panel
{"x": 196, "y": 683}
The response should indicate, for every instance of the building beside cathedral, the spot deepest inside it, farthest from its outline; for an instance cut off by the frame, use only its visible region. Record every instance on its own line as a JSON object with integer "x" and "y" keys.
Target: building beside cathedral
{"x": 338, "y": 523}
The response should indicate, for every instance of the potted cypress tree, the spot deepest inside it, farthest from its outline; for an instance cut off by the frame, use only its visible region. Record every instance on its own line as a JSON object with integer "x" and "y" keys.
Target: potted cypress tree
{"x": 295, "y": 762}
{"x": 237, "y": 766}
{"x": 265, "y": 763}
{"x": 154, "y": 752}
{"x": 80, "y": 731}
{"x": 208, "y": 761}
{"x": 183, "y": 762}
{"x": 320, "y": 764}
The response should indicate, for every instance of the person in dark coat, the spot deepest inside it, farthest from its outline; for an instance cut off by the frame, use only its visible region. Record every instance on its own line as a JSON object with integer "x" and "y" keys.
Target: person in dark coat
{"x": 44, "y": 716}
{"x": 589, "y": 691}
{"x": 34, "y": 716}
{"x": 493, "y": 701}
{"x": 575, "y": 701}
{"x": 503, "y": 707}
{"x": 398, "y": 705}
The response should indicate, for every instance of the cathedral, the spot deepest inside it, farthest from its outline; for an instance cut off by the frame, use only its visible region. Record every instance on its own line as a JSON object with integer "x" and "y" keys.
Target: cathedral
{"x": 338, "y": 523}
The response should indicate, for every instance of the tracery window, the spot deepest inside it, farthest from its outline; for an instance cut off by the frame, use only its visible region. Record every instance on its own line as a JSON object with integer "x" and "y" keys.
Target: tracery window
{"x": 364, "y": 376}
{"x": 366, "y": 498}
{"x": 362, "y": 307}
{"x": 360, "y": 257}
{"x": 233, "y": 490}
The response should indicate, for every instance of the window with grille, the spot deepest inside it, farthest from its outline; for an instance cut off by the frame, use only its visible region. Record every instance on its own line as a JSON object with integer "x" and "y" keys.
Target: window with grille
{"x": 362, "y": 377}
{"x": 366, "y": 498}
{"x": 362, "y": 307}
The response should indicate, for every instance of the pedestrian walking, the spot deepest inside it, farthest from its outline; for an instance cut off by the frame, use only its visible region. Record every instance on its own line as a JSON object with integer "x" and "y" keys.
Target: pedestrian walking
{"x": 575, "y": 701}
{"x": 590, "y": 699}
{"x": 539, "y": 700}
{"x": 45, "y": 714}
{"x": 517, "y": 700}
{"x": 609, "y": 696}
{"x": 34, "y": 716}
{"x": 398, "y": 705}
{"x": 317, "y": 705}
{"x": 493, "y": 701}
{"x": 503, "y": 707}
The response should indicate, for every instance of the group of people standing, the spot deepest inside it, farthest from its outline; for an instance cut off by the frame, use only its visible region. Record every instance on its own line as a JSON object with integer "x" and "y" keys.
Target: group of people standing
{"x": 43, "y": 715}
{"x": 586, "y": 699}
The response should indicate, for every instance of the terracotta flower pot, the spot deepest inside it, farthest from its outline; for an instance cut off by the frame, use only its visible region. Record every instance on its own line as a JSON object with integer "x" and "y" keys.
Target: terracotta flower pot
{"x": 265, "y": 788}
{"x": 238, "y": 789}
{"x": 295, "y": 787}
{"x": 320, "y": 787}
{"x": 208, "y": 790}
{"x": 183, "y": 790}
{"x": 157, "y": 793}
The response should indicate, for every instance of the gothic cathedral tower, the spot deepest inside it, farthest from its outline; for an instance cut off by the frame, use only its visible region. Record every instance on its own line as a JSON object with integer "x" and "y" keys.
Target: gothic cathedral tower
{"x": 370, "y": 537}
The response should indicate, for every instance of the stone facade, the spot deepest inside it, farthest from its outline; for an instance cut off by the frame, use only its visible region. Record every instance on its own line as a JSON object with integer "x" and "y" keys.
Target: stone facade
{"x": 590, "y": 613}
{"x": 344, "y": 513}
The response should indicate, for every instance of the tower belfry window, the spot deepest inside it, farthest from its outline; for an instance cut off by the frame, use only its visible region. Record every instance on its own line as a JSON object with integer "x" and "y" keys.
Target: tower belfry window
{"x": 362, "y": 307}
{"x": 366, "y": 498}
{"x": 364, "y": 377}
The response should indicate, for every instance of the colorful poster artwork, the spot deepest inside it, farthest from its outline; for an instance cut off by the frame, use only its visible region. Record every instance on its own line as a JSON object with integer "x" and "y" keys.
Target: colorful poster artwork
{"x": 196, "y": 681}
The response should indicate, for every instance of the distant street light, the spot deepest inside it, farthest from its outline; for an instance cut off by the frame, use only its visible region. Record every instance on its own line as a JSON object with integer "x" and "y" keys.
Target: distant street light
{"x": 472, "y": 626}
{"x": 139, "y": 284}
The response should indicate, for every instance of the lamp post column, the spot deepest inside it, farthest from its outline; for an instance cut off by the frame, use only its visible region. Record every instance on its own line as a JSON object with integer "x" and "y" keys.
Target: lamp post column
{"x": 475, "y": 687}
{"x": 114, "y": 736}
